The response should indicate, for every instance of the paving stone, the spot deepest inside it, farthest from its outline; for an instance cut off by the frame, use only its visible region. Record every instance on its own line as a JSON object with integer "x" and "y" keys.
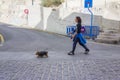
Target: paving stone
{"x": 66, "y": 70}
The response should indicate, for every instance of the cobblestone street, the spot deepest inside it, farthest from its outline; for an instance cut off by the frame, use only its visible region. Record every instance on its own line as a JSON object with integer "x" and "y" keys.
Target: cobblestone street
{"x": 18, "y": 60}
{"x": 60, "y": 70}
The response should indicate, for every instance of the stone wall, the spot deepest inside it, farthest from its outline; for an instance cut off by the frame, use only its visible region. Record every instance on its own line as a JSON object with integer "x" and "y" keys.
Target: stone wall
{"x": 58, "y": 25}
{"x": 56, "y": 21}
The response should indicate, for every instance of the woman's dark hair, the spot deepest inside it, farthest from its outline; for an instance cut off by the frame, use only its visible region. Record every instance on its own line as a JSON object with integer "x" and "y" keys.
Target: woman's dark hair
{"x": 79, "y": 19}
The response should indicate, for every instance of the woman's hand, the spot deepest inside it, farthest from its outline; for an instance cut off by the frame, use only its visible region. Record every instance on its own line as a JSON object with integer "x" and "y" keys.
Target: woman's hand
{"x": 73, "y": 35}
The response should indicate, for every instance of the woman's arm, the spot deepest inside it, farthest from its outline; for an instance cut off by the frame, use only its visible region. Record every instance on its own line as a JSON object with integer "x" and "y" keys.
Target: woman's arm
{"x": 75, "y": 32}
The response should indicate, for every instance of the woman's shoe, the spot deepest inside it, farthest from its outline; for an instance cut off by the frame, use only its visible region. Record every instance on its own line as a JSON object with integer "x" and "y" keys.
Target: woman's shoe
{"x": 71, "y": 53}
{"x": 87, "y": 51}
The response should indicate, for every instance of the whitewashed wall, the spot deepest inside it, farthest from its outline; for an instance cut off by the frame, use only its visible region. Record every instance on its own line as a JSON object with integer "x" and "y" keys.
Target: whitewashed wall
{"x": 46, "y": 12}
{"x": 34, "y": 16}
{"x": 12, "y": 12}
{"x": 56, "y": 21}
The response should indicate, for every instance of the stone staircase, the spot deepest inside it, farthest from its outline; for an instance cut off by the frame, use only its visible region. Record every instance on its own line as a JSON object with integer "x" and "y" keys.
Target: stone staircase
{"x": 109, "y": 36}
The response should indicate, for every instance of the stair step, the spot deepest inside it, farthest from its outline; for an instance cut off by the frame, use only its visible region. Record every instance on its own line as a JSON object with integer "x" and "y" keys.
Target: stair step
{"x": 110, "y": 38}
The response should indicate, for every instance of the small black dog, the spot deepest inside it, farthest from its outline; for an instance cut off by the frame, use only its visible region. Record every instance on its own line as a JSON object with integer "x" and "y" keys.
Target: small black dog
{"x": 41, "y": 54}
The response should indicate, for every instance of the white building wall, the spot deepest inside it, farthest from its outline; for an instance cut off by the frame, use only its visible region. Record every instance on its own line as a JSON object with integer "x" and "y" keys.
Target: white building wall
{"x": 12, "y": 11}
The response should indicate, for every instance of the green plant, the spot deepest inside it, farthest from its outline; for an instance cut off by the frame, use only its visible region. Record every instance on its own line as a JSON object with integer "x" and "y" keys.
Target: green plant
{"x": 49, "y": 3}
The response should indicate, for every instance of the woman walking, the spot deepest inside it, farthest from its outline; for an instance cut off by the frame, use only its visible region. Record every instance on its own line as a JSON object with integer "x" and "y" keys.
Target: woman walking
{"x": 78, "y": 38}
